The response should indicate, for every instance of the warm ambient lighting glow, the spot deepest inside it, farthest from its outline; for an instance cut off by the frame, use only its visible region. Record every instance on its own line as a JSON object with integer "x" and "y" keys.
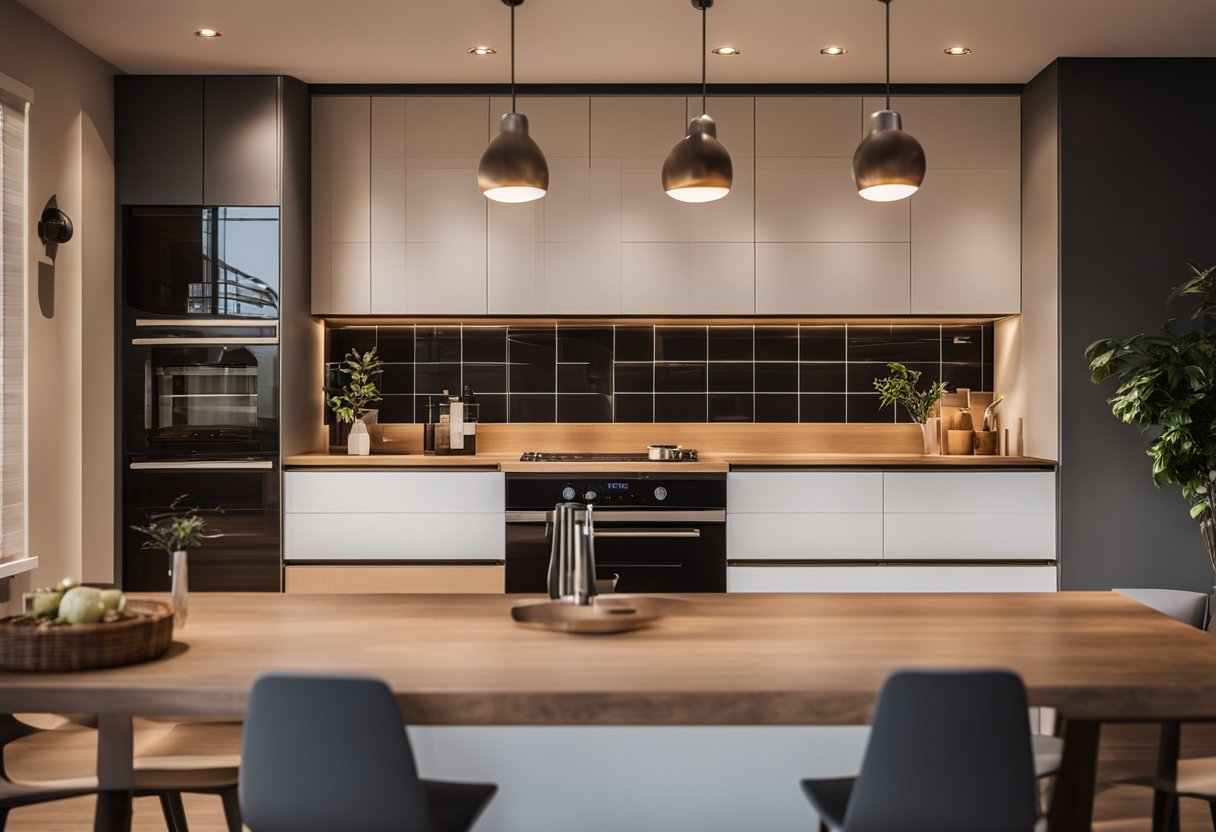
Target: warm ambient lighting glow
{"x": 833, "y": 50}
{"x": 888, "y": 193}
{"x": 515, "y": 193}
{"x": 956, "y": 51}
{"x": 482, "y": 50}
{"x": 698, "y": 194}
{"x": 208, "y": 33}
{"x": 727, "y": 51}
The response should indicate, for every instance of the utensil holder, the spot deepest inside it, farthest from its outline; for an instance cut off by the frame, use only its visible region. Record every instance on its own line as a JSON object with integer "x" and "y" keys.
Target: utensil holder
{"x": 960, "y": 442}
{"x": 985, "y": 442}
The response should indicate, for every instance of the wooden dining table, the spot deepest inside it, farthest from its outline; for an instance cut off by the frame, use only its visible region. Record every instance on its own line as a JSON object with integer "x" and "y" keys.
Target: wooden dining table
{"x": 737, "y": 659}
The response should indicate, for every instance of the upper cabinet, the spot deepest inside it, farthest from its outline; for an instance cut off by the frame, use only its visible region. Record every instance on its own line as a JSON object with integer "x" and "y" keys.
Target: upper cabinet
{"x": 400, "y": 226}
{"x": 966, "y": 217}
{"x": 195, "y": 140}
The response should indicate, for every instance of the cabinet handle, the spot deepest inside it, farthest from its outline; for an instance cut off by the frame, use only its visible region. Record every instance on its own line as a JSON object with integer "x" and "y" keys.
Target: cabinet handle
{"x": 206, "y": 465}
{"x": 638, "y": 533}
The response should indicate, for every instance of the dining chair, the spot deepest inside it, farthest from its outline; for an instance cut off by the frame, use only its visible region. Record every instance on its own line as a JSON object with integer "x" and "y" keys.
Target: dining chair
{"x": 162, "y": 772}
{"x": 949, "y": 750}
{"x": 330, "y": 752}
{"x": 1175, "y": 778}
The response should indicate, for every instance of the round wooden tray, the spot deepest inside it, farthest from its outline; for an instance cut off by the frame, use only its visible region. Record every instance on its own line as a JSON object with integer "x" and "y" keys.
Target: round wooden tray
{"x": 607, "y": 614}
{"x": 29, "y": 647}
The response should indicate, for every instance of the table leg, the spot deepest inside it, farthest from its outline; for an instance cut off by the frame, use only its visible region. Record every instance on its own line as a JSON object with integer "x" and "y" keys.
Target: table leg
{"x": 115, "y": 773}
{"x": 1072, "y": 797}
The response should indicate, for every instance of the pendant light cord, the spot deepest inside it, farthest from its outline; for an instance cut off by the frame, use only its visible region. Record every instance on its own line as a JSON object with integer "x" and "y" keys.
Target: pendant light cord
{"x": 513, "y": 58}
{"x": 703, "y": 51}
{"x": 886, "y": 3}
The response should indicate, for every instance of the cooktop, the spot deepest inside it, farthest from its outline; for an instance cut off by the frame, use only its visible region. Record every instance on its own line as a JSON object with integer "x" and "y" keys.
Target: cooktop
{"x": 540, "y": 456}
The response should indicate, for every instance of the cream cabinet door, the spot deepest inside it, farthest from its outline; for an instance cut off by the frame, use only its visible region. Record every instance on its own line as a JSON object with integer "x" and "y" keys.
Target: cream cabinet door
{"x": 832, "y": 278}
{"x": 341, "y": 201}
{"x": 515, "y": 238}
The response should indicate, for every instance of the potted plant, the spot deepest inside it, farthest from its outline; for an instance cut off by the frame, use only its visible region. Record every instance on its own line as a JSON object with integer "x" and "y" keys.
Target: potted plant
{"x": 901, "y": 387}
{"x": 1167, "y": 388}
{"x": 359, "y": 373}
{"x": 174, "y": 531}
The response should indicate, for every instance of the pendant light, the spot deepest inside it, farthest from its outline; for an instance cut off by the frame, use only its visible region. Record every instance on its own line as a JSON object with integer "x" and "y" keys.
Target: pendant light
{"x": 698, "y": 168}
{"x": 889, "y": 164}
{"x": 513, "y": 168}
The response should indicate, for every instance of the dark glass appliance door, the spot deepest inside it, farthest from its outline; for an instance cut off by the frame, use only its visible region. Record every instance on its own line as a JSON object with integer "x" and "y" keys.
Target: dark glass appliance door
{"x": 188, "y": 396}
{"x": 239, "y": 498}
{"x": 200, "y": 262}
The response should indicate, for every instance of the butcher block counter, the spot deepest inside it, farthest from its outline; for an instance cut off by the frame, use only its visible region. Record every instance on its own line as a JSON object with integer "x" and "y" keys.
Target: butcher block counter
{"x": 708, "y": 463}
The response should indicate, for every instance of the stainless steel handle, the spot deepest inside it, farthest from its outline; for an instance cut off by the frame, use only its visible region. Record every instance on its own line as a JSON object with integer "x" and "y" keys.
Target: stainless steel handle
{"x": 202, "y": 342}
{"x": 645, "y": 533}
{"x": 206, "y": 465}
{"x": 248, "y": 323}
{"x": 607, "y": 515}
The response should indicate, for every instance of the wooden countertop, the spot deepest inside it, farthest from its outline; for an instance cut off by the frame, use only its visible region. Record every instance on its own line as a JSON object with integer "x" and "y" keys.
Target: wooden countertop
{"x": 709, "y": 463}
{"x": 719, "y": 660}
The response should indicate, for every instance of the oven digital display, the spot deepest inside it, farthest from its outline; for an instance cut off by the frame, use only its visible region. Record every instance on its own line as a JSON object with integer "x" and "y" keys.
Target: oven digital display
{"x": 616, "y": 486}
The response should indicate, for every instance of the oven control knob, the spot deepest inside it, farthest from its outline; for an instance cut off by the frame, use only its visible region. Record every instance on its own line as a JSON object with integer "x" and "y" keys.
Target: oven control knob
{"x": 589, "y": 496}
{"x": 568, "y": 493}
{"x": 660, "y": 493}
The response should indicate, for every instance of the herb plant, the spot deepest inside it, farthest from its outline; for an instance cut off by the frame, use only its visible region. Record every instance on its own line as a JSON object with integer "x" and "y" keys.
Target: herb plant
{"x": 901, "y": 388}
{"x": 1167, "y": 388}
{"x": 361, "y": 372}
{"x": 177, "y": 529}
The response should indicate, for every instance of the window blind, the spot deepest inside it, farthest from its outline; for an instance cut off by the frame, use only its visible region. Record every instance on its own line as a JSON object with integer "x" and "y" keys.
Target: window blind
{"x": 13, "y": 148}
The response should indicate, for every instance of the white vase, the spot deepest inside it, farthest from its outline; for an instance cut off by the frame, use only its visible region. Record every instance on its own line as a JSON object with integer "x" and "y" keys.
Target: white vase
{"x": 359, "y": 442}
{"x": 931, "y": 435}
{"x": 180, "y": 573}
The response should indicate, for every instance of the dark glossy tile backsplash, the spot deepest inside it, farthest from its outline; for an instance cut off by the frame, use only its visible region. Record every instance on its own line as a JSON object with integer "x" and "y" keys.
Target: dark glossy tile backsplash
{"x": 670, "y": 373}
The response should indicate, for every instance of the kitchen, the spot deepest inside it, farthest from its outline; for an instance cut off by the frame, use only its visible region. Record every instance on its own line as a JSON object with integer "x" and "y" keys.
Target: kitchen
{"x": 372, "y": 331}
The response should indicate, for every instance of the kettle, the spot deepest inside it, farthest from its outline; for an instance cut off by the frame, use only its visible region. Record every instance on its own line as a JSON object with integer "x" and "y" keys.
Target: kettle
{"x": 572, "y": 559}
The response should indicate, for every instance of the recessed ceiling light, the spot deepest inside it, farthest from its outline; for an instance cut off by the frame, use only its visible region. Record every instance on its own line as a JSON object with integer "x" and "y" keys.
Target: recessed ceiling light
{"x": 833, "y": 50}
{"x": 482, "y": 50}
{"x": 208, "y": 34}
{"x": 957, "y": 51}
{"x": 727, "y": 51}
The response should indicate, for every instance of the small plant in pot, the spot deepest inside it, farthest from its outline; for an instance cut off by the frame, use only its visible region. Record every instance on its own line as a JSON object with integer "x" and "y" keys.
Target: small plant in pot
{"x": 902, "y": 389}
{"x": 359, "y": 372}
{"x": 1167, "y": 388}
{"x": 175, "y": 531}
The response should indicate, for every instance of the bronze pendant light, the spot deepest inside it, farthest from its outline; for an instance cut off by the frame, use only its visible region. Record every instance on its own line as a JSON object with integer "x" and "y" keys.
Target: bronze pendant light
{"x": 889, "y": 164}
{"x": 698, "y": 168}
{"x": 513, "y": 168}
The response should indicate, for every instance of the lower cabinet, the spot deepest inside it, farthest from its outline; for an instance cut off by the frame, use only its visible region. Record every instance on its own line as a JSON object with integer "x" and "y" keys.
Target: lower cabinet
{"x": 891, "y": 578}
{"x": 394, "y": 578}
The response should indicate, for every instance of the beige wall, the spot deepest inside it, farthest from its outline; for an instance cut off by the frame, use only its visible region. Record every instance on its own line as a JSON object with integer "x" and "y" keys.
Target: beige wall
{"x": 70, "y": 302}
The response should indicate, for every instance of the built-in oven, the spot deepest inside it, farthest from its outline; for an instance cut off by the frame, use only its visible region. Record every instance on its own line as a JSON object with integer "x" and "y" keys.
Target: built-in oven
{"x": 201, "y": 262}
{"x": 238, "y": 497}
{"x": 654, "y": 532}
{"x": 192, "y": 389}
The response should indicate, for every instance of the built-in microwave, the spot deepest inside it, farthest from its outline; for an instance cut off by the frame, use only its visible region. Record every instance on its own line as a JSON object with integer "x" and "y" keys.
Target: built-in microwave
{"x": 201, "y": 262}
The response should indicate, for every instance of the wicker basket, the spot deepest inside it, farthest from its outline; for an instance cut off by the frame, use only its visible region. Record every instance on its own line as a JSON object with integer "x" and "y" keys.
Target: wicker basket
{"x": 146, "y": 635}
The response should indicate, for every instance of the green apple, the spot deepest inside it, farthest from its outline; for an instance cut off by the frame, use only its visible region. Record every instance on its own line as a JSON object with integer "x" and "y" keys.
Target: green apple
{"x": 82, "y": 605}
{"x": 113, "y": 600}
{"x": 46, "y": 603}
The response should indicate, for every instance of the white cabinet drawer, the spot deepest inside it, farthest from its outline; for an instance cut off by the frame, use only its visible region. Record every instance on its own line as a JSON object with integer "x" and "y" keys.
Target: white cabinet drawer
{"x": 399, "y": 492}
{"x": 891, "y": 579}
{"x": 970, "y": 492}
{"x": 386, "y": 536}
{"x": 804, "y": 536}
{"x": 970, "y": 536}
{"x": 804, "y": 492}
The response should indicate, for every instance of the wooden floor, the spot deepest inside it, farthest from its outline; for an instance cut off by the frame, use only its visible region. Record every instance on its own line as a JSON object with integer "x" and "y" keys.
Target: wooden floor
{"x": 1126, "y": 750}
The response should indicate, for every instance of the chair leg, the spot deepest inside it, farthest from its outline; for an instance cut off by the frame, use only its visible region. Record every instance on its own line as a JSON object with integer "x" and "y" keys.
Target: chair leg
{"x": 4, "y": 816}
{"x": 174, "y": 812}
{"x": 1164, "y": 811}
{"x": 823, "y": 827}
{"x": 232, "y": 809}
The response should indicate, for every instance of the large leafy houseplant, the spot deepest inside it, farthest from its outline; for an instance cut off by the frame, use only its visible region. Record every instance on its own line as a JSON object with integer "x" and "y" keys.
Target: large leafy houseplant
{"x": 1167, "y": 388}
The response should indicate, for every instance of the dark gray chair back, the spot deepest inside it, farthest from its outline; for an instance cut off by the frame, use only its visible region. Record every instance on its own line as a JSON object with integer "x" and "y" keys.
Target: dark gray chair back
{"x": 948, "y": 751}
{"x": 1187, "y": 607}
{"x": 327, "y": 752}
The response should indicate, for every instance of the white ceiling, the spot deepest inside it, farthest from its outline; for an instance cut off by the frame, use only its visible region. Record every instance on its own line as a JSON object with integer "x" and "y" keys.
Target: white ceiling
{"x": 627, "y": 41}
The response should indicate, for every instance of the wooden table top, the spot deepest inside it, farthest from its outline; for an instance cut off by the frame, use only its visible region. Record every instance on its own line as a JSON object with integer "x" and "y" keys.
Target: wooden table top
{"x": 721, "y": 659}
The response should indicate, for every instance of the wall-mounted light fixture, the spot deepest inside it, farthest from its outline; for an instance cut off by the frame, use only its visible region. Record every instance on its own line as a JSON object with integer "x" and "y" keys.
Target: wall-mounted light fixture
{"x": 54, "y": 226}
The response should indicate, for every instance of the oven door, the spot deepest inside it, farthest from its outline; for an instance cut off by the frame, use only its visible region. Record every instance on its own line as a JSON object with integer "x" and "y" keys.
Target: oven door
{"x": 201, "y": 395}
{"x": 649, "y": 551}
{"x": 238, "y": 497}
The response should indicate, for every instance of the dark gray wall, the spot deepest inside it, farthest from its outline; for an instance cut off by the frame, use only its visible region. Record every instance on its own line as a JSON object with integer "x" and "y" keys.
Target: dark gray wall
{"x": 1137, "y": 179}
